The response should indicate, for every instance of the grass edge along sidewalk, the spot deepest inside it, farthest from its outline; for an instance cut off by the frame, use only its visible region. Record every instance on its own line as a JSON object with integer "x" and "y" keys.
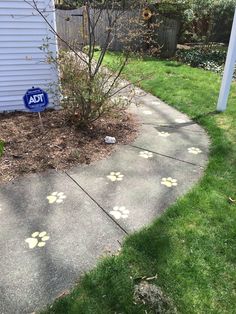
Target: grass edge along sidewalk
{"x": 191, "y": 247}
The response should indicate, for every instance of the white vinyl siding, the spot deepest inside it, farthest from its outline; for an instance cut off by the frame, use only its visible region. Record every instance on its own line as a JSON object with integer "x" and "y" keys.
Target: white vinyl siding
{"x": 22, "y": 64}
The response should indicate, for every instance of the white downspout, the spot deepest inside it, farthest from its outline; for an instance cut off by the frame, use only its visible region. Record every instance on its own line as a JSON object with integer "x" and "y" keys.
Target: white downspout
{"x": 229, "y": 70}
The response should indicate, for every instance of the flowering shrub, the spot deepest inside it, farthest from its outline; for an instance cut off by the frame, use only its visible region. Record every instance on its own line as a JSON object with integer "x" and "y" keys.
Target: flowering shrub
{"x": 84, "y": 99}
{"x": 88, "y": 88}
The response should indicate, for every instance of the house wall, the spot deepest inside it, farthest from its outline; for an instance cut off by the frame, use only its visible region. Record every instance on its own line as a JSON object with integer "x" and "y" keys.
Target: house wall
{"x": 22, "y": 63}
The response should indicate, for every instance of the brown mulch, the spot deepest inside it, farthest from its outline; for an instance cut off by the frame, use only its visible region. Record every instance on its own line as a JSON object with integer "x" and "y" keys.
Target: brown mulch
{"x": 59, "y": 146}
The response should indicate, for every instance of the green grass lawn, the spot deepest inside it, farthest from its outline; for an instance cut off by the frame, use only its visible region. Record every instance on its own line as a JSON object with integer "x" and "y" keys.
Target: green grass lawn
{"x": 191, "y": 247}
{"x": 1, "y": 148}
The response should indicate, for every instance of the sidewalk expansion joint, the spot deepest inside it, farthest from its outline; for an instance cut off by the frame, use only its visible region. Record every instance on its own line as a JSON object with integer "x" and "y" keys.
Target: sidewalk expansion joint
{"x": 167, "y": 156}
{"x": 109, "y": 216}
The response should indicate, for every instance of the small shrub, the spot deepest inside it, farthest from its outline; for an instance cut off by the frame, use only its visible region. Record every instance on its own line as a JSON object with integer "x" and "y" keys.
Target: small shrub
{"x": 85, "y": 99}
{"x": 87, "y": 87}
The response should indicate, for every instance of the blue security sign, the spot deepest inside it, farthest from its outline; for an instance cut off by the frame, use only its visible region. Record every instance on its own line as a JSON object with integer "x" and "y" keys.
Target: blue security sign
{"x": 35, "y": 99}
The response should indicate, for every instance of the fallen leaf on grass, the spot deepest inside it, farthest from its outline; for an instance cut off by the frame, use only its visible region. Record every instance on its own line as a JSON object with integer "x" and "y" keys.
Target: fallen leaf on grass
{"x": 145, "y": 278}
{"x": 63, "y": 294}
{"x": 151, "y": 278}
{"x": 232, "y": 200}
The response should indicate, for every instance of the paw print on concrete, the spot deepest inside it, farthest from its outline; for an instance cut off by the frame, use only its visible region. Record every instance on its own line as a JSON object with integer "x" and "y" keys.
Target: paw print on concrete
{"x": 180, "y": 121}
{"x": 37, "y": 239}
{"x": 56, "y": 197}
{"x": 155, "y": 103}
{"x": 147, "y": 112}
{"x": 194, "y": 150}
{"x": 139, "y": 92}
{"x": 115, "y": 176}
{"x": 163, "y": 134}
{"x": 169, "y": 182}
{"x": 120, "y": 212}
{"x": 146, "y": 154}
{"x": 125, "y": 98}
{"x": 123, "y": 84}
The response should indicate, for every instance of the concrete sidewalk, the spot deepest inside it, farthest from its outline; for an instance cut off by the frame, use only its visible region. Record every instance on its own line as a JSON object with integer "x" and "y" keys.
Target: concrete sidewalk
{"x": 55, "y": 226}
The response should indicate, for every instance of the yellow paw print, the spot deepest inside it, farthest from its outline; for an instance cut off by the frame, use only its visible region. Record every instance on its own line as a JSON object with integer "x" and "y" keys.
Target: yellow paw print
{"x": 120, "y": 212}
{"x": 146, "y": 154}
{"x": 115, "y": 176}
{"x": 180, "y": 121}
{"x": 37, "y": 239}
{"x": 163, "y": 134}
{"x": 122, "y": 84}
{"x": 169, "y": 182}
{"x": 194, "y": 150}
{"x": 139, "y": 92}
{"x": 56, "y": 197}
{"x": 147, "y": 112}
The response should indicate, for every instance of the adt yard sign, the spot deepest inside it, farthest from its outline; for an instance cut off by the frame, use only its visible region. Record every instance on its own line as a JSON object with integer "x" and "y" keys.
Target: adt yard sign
{"x": 36, "y": 99}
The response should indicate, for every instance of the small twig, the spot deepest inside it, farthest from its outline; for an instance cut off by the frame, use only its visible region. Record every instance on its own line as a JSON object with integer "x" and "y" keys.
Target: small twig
{"x": 41, "y": 121}
{"x": 119, "y": 243}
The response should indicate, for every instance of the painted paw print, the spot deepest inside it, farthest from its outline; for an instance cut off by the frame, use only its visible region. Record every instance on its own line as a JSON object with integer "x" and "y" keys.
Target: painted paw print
{"x": 169, "y": 182}
{"x": 125, "y": 98}
{"x": 163, "y": 134}
{"x": 139, "y": 92}
{"x": 147, "y": 112}
{"x": 120, "y": 212}
{"x": 37, "y": 239}
{"x": 194, "y": 150}
{"x": 146, "y": 154}
{"x": 115, "y": 176}
{"x": 123, "y": 84}
{"x": 56, "y": 197}
{"x": 180, "y": 121}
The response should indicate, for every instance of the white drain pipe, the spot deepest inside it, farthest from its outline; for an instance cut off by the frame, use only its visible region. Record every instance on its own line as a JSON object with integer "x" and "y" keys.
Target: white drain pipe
{"x": 229, "y": 70}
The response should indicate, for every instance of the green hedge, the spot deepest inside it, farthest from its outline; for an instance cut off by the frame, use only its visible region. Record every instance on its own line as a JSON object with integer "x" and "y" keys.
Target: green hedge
{"x": 208, "y": 59}
{"x": 201, "y": 19}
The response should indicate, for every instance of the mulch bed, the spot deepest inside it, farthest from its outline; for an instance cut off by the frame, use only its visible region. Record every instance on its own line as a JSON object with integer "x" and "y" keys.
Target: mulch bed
{"x": 59, "y": 146}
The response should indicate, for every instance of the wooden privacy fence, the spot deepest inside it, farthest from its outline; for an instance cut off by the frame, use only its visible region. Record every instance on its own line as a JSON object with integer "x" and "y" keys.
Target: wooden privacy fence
{"x": 72, "y": 27}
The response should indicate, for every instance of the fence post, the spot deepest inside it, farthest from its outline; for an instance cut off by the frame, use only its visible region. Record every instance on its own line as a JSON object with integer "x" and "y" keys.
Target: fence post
{"x": 85, "y": 26}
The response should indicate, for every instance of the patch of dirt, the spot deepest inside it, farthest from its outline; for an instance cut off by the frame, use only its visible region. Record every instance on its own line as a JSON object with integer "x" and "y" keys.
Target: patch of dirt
{"x": 59, "y": 146}
{"x": 153, "y": 296}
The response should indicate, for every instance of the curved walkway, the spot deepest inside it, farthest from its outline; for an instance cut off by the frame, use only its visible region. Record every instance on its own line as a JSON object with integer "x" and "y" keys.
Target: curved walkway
{"x": 55, "y": 226}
